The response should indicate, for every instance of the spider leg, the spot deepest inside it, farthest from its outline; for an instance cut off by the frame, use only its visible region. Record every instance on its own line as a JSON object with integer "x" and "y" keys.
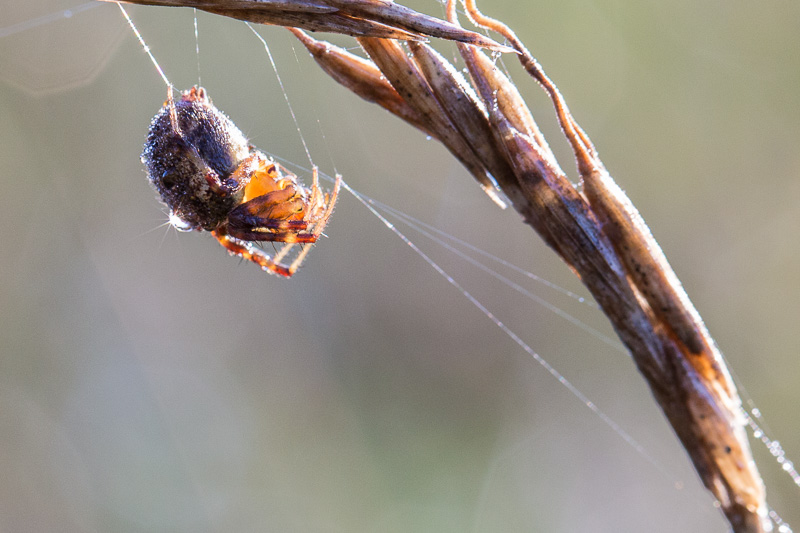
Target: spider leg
{"x": 240, "y": 177}
{"x": 299, "y": 259}
{"x": 316, "y": 192}
{"x": 290, "y": 237}
{"x": 331, "y": 201}
{"x": 260, "y": 219}
{"x": 278, "y": 257}
{"x": 279, "y": 212}
{"x": 236, "y": 247}
{"x": 323, "y": 221}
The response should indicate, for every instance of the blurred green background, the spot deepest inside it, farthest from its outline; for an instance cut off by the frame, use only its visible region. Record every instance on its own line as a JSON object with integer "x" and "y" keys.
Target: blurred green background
{"x": 149, "y": 382}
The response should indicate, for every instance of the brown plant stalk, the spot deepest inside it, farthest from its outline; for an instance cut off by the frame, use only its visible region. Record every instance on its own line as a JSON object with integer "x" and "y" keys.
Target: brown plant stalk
{"x": 594, "y": 228}
{"x": 366, "y": 18}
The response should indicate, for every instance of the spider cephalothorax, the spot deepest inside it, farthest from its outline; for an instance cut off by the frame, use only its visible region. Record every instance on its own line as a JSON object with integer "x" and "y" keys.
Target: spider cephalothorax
{"x": 212, "y": 179}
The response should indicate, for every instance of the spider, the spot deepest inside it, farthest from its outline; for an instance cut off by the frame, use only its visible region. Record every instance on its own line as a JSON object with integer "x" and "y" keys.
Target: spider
{"x": 211, "y": 179}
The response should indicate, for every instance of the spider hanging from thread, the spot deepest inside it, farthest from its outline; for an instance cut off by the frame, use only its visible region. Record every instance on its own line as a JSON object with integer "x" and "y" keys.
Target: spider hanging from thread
{"x": 213, "y": 180}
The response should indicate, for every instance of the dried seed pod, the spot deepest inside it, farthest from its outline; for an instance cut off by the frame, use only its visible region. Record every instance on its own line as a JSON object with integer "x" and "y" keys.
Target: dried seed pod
{"x": 362, "y": 77}
{"x": 466, "y": 111}
{"x": 409, "y": 81}
{"x": 497, "y": 90}
{"x": 398, "y": 16}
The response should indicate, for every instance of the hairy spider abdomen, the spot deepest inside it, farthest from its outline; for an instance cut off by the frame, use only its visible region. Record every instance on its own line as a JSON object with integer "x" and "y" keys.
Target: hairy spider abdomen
{"x": 191, "y": 151}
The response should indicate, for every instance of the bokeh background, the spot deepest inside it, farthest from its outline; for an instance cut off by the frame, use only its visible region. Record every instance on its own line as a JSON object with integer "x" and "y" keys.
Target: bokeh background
{"x": 149, "y": 382}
